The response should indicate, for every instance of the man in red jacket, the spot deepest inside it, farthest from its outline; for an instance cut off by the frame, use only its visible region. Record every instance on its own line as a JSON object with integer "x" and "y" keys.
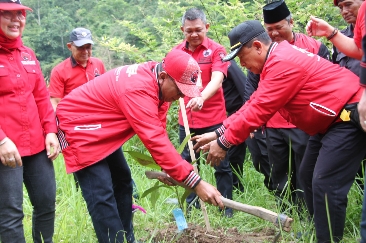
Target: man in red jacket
{"x": 98, "y": 117}
{"x": 286, "y": 143}
{"x": 309, "y": 92}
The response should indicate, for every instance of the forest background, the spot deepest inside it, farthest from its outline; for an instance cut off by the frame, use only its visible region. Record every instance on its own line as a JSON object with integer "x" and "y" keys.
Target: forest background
{"x": 132, "y": 31}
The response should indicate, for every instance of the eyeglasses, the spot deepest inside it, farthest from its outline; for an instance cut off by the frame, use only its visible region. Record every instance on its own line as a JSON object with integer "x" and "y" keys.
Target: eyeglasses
{"x": 11, "y": 14}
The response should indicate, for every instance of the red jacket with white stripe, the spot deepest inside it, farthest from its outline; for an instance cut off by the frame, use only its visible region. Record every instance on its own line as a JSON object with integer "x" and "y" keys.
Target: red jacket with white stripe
{"x": 311, "y": 45}
{"x": 306, "y": 89}
{"x": 99, "y": 116}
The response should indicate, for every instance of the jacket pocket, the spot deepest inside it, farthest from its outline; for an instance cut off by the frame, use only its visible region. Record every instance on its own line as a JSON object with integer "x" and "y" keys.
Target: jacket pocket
{"x": 5, "y": 81}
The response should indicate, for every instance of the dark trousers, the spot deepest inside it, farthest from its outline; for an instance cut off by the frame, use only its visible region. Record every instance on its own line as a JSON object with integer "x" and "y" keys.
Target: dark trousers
{"x": 286, "y": 148}
{"x": 107, "y": 190}
{"x": 327, "y": 172}
{"x": 223, "y": 173}
{"x": 236, "y": 156}
{"x": 258, "y": 149}
{"x": 38, "y": 176}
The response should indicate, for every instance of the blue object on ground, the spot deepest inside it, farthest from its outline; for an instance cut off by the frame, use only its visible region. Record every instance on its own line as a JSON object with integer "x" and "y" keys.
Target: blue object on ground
{"x": 180, "y": 219}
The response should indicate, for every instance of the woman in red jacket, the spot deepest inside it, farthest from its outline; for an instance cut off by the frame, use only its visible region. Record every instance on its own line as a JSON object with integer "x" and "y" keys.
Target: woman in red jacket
{"x": 28, "y": 141}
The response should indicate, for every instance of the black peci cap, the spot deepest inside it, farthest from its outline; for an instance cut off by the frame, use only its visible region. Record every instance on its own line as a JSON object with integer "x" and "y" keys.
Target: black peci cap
{"x": 242, "y": 34}
{"x": 275, "y": 12}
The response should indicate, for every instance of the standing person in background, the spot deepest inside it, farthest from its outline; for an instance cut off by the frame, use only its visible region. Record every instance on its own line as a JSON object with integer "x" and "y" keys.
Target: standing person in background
{"x": 73, "y": 72}
{"x": 205, "y": 113}
{"x": 349, "y": 11}
{"x": 234, "y": 89}
{"x": 286, "y": 144}
{"x": 76, "y": 70}
{"x": 98, "y": 117}
{"x": 28, "y": 141}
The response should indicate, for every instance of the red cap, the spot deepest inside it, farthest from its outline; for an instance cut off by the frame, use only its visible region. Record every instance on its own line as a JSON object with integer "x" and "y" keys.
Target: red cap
{"x": 335, "y": 2}
{"x": 12, "y": 5}
{"x": 184, "y": 70}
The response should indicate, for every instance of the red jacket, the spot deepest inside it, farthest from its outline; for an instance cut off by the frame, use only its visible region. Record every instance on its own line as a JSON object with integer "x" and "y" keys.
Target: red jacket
{"x": 99, "y": 116}
{"x": 311, "y": 45}
{"x": 305, "y": 88}
{"x": 26, "y": 114}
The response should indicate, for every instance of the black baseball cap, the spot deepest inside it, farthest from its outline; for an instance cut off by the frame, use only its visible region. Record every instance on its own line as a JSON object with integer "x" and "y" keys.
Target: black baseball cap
{"x": 81, "y": 36}
{"x": 12, "y": 5}
{"x": 275, "y": 12}
{"x": 242, "y": 34}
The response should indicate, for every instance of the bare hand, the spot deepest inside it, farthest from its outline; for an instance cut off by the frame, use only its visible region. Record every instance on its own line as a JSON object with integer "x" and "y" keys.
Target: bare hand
{"x": 203, "y": 139}
{"x": 209, "y": 194}
{"x": 167, "y": 180}
{"x": 9, "y": 154}
{"x": 215, "y": 155}
{"x": 195, "y": 104}
{"x": 52, "y": 146}
{"x": 318, "y": 27}
{"x": 362, "y": 110}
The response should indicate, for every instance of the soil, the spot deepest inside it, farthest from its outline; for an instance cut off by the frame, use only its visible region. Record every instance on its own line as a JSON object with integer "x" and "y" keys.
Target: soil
{"x": 198, "y": 234}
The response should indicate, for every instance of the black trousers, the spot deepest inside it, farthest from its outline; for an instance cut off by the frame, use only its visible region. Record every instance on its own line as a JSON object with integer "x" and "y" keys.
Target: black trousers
{"x": 223, "y": 172}
{"x": 286, "y": 148}
{"x": 258, "y": 149}
{"x": 327, "y": 172}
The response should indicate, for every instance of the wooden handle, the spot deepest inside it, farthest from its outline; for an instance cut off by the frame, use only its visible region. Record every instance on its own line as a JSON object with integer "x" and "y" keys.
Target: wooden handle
{"x": 279, "y": 220}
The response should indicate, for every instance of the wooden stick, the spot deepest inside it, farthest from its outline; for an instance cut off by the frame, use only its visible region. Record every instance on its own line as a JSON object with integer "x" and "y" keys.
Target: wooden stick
{"x": 279, "y": 220}
{"x": 193, "y": 158}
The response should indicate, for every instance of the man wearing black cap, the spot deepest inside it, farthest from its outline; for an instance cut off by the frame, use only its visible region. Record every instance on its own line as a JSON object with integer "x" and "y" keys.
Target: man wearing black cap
{"x": 286, "y": 144}
{"x": 76, "y": 70}
{"x": 309, "y": 92}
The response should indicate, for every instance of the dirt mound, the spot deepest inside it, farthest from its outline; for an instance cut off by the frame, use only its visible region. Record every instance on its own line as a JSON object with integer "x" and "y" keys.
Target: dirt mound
{"x": 198, "y": 234}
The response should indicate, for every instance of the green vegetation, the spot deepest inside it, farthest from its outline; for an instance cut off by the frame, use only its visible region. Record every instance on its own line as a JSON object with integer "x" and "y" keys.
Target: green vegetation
{"x": 129, "y": 31}
{"x": 73, "y": 223}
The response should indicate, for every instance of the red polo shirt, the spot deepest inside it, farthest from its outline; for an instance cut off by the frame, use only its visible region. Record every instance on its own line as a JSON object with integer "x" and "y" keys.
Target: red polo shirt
{"x": 69, "y": 75}
{"x": 208, "y": 56}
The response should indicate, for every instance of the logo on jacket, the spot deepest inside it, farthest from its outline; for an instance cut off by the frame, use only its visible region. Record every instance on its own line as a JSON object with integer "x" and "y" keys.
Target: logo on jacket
{"x": 25, "y": 56}
{"x": 194, "y": 76}
{"x": 207, "y": 52}
{"x": 96, "y": 72}
{"x": 132, "y": 70}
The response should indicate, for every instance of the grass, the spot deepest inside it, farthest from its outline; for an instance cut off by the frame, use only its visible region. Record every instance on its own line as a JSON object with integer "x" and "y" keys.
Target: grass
{"x": 73, "y": 223}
